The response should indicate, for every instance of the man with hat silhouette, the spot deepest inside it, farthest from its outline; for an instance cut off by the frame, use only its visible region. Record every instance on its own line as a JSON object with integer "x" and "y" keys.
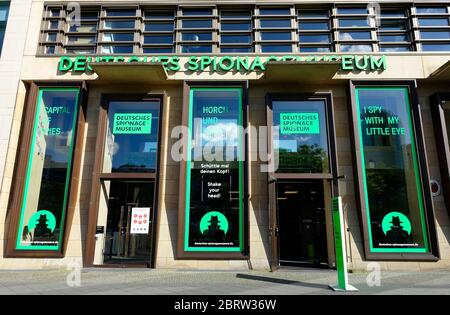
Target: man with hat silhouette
{"x": 397, "y": 234}
{"x": 214, "y": 232}
{"x": 42, "y": 232}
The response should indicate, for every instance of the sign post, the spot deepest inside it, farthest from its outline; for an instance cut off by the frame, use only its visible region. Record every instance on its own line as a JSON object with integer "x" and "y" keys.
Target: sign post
{"x": 340, "y": 247}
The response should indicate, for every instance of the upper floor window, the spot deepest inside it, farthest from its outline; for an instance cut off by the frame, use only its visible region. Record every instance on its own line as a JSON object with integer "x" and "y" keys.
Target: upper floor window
{"x": 4, "y": 11}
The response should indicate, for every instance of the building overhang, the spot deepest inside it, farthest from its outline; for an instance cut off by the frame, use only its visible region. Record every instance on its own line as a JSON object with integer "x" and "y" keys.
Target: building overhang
{"x": 442, "y": 73}
{"x": 303, "y": 71}
{"x": 129, "y": 72}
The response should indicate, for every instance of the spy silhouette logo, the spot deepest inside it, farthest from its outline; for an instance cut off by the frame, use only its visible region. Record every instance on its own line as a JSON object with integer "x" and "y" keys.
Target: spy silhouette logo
{"x": 396, "y": 220}
{"x": 42, "y": 219}
{"x": 213, "y": 221}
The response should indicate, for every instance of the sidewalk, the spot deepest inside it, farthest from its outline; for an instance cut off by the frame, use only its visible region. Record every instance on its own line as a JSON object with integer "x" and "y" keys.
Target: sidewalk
{"x": 133, "y": 281}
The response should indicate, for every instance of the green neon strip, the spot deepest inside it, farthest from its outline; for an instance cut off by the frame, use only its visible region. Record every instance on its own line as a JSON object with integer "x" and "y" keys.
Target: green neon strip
{"x": 188, "y": 178}
{"x": 29, "y": 167}
{"x": 418, "y": 185}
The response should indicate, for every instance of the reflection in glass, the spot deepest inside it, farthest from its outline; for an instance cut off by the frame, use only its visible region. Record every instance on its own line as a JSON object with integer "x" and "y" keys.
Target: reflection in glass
{"x": 134, "y": 147}
{"x": 48, "y": 171}
{"x": 215, "y": 179}
{"x": 302, "y": 144}
{"x": 394, "y": 199}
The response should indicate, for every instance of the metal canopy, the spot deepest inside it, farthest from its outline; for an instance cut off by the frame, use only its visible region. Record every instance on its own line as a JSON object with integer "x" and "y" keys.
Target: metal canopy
{"x": 130, "y": 72}
{"x": 301, "y": 71}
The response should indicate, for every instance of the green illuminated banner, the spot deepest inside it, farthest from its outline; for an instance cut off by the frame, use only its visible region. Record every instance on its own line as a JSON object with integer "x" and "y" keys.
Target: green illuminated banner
{"x": 223, "y": 63}
{"x": 214, "y": 179}
{"x": 132, "y": 123}
{"x": 45, "y": 196}
{"x": 299, "y": 123}
{"x": 393, "y": 198}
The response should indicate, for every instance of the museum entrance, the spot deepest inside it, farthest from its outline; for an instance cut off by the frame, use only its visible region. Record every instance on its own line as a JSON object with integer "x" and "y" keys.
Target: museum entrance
{"x": 302, "y": 179}
{"x": 301, "y": 224}
{"x": 128, "y": 235}
{"x": 125, "y": 182}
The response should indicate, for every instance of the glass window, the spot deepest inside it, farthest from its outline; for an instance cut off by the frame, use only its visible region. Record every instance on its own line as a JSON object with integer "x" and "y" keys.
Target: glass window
{"x": 53, "y": 25}
{"x": 158, "y": 39}
{"x": 110, "y": 24}
{"x": 355, "y": 36}
{"x": 356, "y": 48}
{"x": 393, "y": 25}
{"x": 118, "y": 37}
{"x": 80, "y": 40}
{"x": 393, "y": 13}
{"x": 45, "y": 196}
{"x": 433, "y": 22}
{"x": 196, "y": 48}
{"x": 431, "y": 10}
{"x": 352, "y": 10}
{"x": 158, "y": 50}
{"x": 353, "y": 23}
{"x": 197, "y": 23}
{"x": 4, "y": 11}
{"x": 313, "y": 14}
{"x": 238, "y": 26}
{"x": 159, "y": 15}
{"x": 312, "y": 26}
{"x": 83, "y": 27}
{"x": 235, "y": 15}
{"x": 190, "y": 12}
{"x": 50, "y": 50}
{"x": 196, "y": 36}
{"x": 236, "y": 39}
{"x": 214, "y": 207}
{"x": 284, "y": 23}
{"x": 394, "y": 38}
{"x": 115, "y": 12}
{"x": 314, "y": 38}
{"x": 53, "y": 13}
{"x": 276, "y": 36}
{"x": 274, "y": 11}
{"x": 311, "y": 49}
{"x": 132, "y": 137}
{"x": 87, "y": 15}
{"x": 159, "y": 27}
{"x": 236, "y": 49}
{"x": 302, "y": 142}
{"x": 123, "y": 49}
{"x": 390, "y": 171}
{"x": 386, "y": 48}
{"x": 435, "y": 34}
{"x": 80, "y": 51}
{"x": 276, "y": 48}
{"x": 51, "y": 37}
{"x": 436, "y": 47}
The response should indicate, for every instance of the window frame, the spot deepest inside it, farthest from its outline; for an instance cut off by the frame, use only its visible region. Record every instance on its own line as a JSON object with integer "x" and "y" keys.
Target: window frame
{"x": 417, "y": 133}
{"x": 99, "y": 176}
{"x": 181, "y": 253}
{"x": 327, "y": 98}
{"x": 441, "y": 130}
{"x": 21, "y": 166}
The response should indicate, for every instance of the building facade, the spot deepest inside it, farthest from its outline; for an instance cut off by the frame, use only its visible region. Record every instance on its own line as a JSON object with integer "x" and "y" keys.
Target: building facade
{"x": 216, "y": 135}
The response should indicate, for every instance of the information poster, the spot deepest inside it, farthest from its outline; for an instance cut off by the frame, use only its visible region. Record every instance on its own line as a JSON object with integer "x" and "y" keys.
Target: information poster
{"x": 140, "y": 220}
{"x": 132, "y": 123}
{"x": 392, "y": 186}
{"x": 48, "y": 172}
{"x": 214, "y": 193}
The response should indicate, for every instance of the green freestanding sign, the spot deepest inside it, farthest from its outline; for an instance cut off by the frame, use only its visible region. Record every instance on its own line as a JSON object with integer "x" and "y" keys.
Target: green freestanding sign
{"x": 339, "y": 242}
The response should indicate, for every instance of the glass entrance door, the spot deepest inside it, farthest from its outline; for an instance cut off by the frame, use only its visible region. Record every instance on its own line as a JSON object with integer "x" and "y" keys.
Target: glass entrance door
{"x": 128, "y": 235}
{"x": 301, "y": 223}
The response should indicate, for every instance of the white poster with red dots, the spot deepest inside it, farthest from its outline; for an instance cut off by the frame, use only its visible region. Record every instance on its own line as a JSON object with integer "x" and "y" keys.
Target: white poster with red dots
{"x": 140, "y": 220}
